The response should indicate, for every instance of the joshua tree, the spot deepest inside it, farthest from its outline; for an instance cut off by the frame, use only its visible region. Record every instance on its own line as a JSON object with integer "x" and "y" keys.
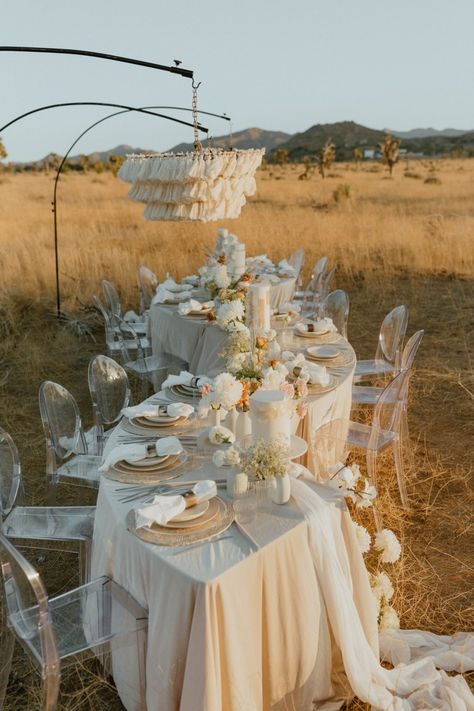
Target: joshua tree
{"x": 390, "y": 150}
{"x": 357, "y": 155}
{"x": 281, "y": 156}
{"x": 326, "y": 157}
{"x": 308, "y": 169}
{"x": 3, "y": 151}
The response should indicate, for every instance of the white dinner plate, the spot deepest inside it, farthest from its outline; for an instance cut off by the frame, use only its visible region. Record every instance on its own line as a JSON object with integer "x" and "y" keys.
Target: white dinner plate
{"x": 311, "y": 334}
{"x": 323, "y": 352}
{"x": 192, "y": 513}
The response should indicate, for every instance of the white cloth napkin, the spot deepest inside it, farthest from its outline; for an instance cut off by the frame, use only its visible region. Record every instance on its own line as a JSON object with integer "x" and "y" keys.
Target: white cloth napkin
{"x": 164, "y": 508}
{"x": 288, "y": 308}
{"x": 285, "y": 269}
{"x": 184, "y": 378}
{"x": 147, "y": 409}
{"x": 136, "y": 451}
{"x": 162, "y": 295}
{"x": 172, "y": 286}
{"x": 192, "y": 279}
{"x": 322, "y": 325}
{"x": 317, "y": 374}
{"x": 193, "y": 305}
{"x": 132, "y": 317}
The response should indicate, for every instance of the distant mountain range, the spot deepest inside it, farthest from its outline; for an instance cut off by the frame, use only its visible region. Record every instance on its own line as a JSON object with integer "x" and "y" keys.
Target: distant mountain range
{"x": 249, "y": 138}
{"x": 426, "y": 132}
{"x": 346, "y": 135}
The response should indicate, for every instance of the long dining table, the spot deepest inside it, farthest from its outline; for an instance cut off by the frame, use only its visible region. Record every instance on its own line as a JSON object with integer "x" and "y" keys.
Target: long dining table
{"x": 238, "y": 622}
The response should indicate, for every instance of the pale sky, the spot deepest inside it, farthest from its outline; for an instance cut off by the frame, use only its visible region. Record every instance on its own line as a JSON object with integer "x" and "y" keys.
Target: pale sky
{"x": 272, "y": 64}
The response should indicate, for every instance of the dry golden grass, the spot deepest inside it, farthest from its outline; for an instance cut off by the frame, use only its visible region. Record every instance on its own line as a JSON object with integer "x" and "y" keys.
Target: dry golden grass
{"x": 398, "y": 241}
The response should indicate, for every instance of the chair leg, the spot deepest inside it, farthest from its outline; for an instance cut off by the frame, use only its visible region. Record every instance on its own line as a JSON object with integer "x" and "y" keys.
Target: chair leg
{"x": 84, "y": 561}
{"x": 371, "y": 459}
{"x": 398, "y": 457}
{"x": 141, "y": 657}
{"x": 405, "y": 435}
{"x": 7, "y": 643}
{"x": 51, "y": 681}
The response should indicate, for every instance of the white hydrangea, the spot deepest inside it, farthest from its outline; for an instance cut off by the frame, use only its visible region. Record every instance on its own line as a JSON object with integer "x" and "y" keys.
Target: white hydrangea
{"x": 235, "y": 363}
{"x": 226, "y": 457}
{"x": 382, "y": 587}
{"x": 221, "y": 277}
{"x": 387, "y": 542}
{"x": 231, "y": 311}
{"x": 363, "y": 538}
{"x": 389, "y": 619}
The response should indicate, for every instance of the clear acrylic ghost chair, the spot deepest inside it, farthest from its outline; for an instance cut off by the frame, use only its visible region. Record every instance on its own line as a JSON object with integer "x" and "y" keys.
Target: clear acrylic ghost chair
{"x": 149, "y": 369}
{"x": 69, "y": 457}
{"x": 110, "y": 393}
{"x": 383, "y": 433}
{"x": 147, "y": 283}
{"x": 296, "y": 260}
{"x": 112, "y": 301}
{"x": 318, "y": 269}
{"x": 312, "y": 304}
{"x": 389, "y": 346}
{"x": 94, "y": 619}
{"x": 369, "y": 395}
{"x": 336, "y": 307}
{"x": 32, "y": 525}
{"x": 112, "y": 342}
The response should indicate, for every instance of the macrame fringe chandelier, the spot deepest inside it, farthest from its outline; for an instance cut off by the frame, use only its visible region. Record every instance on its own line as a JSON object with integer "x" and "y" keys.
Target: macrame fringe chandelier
{"x": 206, "y": 184}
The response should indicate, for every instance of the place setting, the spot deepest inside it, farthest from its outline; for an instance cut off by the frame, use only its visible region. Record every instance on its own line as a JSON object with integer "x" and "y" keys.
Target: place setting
{"x": 145, "y": 462}
{"x": 175, "y": 519}
{"x": 185, "y": 386}
{"x": 196, "y": 310}
{"x": 322, "y": 330}
{"x": 329, "y": 355}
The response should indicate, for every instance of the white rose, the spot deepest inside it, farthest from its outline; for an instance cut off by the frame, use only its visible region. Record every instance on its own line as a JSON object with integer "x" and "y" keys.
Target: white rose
{"x": 232, "y": 457}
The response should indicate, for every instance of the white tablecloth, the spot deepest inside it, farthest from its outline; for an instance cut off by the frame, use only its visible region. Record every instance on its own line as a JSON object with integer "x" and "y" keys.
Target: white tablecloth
{"x": 231, "y": 627}
{"x": 197, "y": 341}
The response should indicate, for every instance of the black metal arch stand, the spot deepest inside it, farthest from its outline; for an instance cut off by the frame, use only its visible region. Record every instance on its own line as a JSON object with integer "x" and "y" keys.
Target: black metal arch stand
{"x": 124, "y": 109}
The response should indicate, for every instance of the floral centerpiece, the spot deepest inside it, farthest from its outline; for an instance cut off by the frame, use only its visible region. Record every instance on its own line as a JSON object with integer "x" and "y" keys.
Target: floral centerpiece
{"x": 264, "y": 460}
{"x": 224, "y": 392}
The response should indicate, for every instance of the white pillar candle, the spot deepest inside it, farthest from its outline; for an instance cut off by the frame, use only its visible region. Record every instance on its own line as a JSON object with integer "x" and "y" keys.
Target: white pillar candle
{"x": 261, "y": 306}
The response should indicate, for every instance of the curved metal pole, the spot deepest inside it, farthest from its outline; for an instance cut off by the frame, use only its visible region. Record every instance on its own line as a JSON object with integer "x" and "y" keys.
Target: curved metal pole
{"x": 100, "y": 103}
{"x": 63, "y": 162}
{"x": 188, "y": 73}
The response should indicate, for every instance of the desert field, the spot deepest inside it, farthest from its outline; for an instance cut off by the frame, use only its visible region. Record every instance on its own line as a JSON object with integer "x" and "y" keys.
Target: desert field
{"x": 409, "y": 239}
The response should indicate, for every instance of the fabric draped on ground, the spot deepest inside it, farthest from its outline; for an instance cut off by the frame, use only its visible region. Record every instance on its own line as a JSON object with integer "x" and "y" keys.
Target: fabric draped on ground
{"x": 415, "y": 683}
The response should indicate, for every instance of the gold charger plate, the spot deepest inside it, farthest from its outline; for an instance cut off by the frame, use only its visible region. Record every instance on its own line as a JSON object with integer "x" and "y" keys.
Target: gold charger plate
{"x": 224, "y": 516}
{"x": 156, "y": 466}
{"x": 149, "y": 424}
{"x": 155, "y": 476}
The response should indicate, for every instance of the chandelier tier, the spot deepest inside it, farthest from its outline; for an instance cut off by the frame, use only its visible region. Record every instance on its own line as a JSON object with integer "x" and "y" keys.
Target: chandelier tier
{"x": 206, "y": 184}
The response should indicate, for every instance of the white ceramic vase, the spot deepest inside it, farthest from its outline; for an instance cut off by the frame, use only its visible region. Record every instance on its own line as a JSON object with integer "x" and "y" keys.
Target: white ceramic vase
{"x": 243, "y": 426}
{"x": 215, "y": 417}
{"x": 282, "y": 490}
{"x": 231, "y": 420}
{"x": 237, "y": 484}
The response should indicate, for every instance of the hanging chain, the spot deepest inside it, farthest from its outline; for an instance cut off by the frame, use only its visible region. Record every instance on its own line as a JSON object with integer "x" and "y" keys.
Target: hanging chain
{"x": 197, "y": 142}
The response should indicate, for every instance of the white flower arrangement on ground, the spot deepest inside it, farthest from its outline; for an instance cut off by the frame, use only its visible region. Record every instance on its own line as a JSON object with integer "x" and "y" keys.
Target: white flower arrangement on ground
{"x": 223, "y": 393}
{"x": 364, "y": 538}
{"x": 349, "y": 481}
{"x": 389, "y": 545}
{"x": 221, "y": 435}
{"x": 265, "y": 460}
{"x": 226, "y": 457}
